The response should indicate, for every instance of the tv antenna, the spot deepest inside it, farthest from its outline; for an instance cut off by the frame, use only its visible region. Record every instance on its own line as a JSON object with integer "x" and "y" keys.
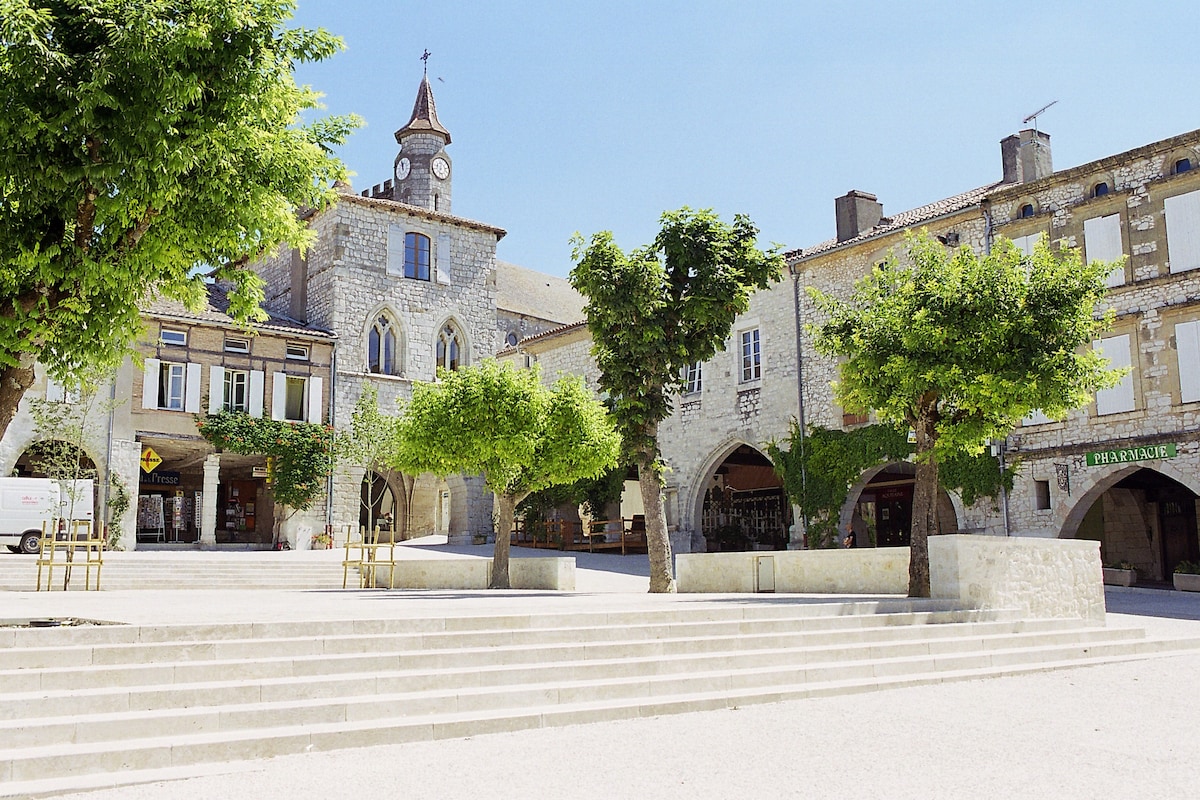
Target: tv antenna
{"x": 1033, "y": 117}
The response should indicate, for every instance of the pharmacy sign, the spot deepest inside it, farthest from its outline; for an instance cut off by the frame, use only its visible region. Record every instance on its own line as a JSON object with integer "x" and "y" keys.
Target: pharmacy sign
{"x": 1126, "y": 455}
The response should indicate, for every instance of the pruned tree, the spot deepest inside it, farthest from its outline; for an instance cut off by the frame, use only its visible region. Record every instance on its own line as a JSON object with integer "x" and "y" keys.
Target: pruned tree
{"x": 503, "y": 423}
{"x": 654, "y": 311}
{"x": 960, "y": 347}
{"x": 370, "y": 443}
{"x": 143, "y": 143}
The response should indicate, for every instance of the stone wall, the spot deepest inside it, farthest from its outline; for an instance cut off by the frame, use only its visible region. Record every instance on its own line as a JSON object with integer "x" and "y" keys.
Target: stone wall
{"x": 881, "y": 570}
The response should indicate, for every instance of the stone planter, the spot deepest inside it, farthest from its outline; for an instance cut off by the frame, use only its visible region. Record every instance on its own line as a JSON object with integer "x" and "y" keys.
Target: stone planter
{"x": 1120, "y": 577}
{"x": 1187, "y": 583}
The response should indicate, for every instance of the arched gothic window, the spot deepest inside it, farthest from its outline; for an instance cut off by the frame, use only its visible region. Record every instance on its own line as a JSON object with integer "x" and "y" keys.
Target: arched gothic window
{"x": 382, "y": 346}
{"x": 449, "y": 347}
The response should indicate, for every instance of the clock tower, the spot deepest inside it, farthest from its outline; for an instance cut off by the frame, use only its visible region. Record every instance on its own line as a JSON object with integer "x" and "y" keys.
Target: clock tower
{"x": 423, "y": 170}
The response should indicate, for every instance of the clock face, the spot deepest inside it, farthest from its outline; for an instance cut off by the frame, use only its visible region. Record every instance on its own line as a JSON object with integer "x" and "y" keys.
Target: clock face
{"x": 441, "y": 168}
{"x": 402, "y": 168}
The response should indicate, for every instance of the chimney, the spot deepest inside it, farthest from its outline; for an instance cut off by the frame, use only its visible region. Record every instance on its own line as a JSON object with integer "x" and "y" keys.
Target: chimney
{"x": 856, "y": 213}
{"x": 1026, "y": 156}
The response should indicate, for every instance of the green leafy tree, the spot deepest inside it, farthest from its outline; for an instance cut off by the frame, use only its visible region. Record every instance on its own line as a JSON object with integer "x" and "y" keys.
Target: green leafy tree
{"x": 504, "y": 423}
{"x": 654, "y": 311}
{"x": 141, "y": 143}
{"x": 370, "y": 443}
{"x": 960, "y": 347}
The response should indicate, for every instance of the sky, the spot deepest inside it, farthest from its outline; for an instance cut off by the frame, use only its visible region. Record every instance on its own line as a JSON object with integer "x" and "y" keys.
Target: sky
{"x": 579, "y": 116}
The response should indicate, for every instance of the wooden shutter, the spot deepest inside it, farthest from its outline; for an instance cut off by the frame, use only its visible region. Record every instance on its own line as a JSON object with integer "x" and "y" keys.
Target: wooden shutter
{"x": 278, "y": 395}
{"x": 191, "y": 389}
{"x": 216, "y": 389}
{"x": 1120, "y": 397}
{"x": 150, "y": 383}
{"x": 314, "y": 399}
{"x": 1187, "y": 344}
{"x": 1102, "y": 240}
{"x": 256, "y": 392}
{"x": 1183, "y": 231}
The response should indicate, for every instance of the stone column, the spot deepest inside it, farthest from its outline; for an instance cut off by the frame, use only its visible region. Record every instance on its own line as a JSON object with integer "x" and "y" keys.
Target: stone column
{"x": 125, "y": 463}
{"x": 208, "y": 515}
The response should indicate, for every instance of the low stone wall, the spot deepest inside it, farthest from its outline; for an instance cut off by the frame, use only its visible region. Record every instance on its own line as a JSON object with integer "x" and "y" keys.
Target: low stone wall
{"x": 1040, "y": 577}
{"x": 475, "y": 573}
{"x": 881, "y": 570}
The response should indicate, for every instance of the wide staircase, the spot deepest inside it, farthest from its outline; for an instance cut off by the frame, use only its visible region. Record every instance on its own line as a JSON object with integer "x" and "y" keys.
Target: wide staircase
{"x": 104, "y": 705}
{"x": 193, "y": 570}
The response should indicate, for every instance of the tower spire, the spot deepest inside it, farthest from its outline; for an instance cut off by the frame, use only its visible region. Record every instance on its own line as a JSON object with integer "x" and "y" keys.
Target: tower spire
{"x": 424, "y": 114}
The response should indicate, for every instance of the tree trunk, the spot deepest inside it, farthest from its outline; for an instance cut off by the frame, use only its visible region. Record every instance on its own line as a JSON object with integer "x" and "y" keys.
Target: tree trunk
{"x": 924, "y": 512}
{"x": 14, "y": 382}
{"x": 658, "y": 544}
{"x": 507, "y": 508}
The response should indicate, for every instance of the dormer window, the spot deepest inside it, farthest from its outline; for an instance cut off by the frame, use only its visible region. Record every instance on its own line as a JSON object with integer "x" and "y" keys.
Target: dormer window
{"x": 1183, "y": 165}
{"x": 1026, "y": 211}
{"x": 1100, "y": 190}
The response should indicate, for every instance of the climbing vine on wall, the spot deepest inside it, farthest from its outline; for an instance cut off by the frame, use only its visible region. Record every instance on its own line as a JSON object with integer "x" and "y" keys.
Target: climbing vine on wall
{"x": 817, "y": 477}
{"x": 300, "y": 454}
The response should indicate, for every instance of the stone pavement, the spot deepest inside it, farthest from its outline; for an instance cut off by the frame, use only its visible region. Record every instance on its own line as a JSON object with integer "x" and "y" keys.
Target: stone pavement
{"x": 1109, "y": 730}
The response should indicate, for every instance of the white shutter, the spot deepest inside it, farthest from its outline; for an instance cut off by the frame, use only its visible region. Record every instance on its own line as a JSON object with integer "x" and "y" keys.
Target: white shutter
{"x": 54, "y": 391}
{"x": 1025, "y": 243}
{"x": 443, "y": 258}
{"x": 1036, "y": 417}
{"x": 191, "y": 389}
{"x": 278, "y": 395}
{"x": 256, "y": 392}
{"x": 1183, "y": 231}
{"x": 1120, "y": 397}
{"x": 395, "y": 250}
{"x": 216, "y": 389}
{"x": 1187, "y": 344}
{"x": 1102, "y": 239}
{"x": 314, "y": 399}
{"x": 150, "y": 383}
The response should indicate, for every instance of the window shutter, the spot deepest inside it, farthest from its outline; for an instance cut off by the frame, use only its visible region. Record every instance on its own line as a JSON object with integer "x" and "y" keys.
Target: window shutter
{"x": 1036, "y": 417}
{"x": 150, "y": 383}
{"x": 1183, "y": 231}
{"x": 314, "y": 399}
{"x": 1026, "y": 243}
{"x": 54, "y": 391}
{"x": 395, "y": 250}
{"x": 216, "y": 389}
{"x": 1102, "y": 238}
{"x": 191, "y": 389}
{"x": 256, "y": 392}
{"x": 1187, "y": 344}
{"x": 1120, "y": 397}
{"x": 278, "y": 395}
{"x": 443, "y": 259}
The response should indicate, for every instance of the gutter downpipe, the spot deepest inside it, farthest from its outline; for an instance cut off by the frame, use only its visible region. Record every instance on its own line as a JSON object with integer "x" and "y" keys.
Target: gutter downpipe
{"x": 800, "y": 401}
{"x": 1002, "y": 444}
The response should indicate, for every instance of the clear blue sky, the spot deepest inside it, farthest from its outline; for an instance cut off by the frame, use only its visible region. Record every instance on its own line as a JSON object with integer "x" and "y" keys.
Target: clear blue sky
{"x": 586, "y": 116}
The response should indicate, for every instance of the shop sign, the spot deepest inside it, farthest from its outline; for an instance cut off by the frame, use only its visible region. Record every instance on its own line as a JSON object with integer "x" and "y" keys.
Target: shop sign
{"x": 1126, "y": 455}
{"x": 150, "y": 459}
{"x": 162, "y": 477}
{"x": 258, "y": 472}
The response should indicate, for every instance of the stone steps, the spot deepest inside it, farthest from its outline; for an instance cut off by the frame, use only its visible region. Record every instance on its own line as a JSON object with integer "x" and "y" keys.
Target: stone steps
{"x": 123, "y": 572}
{"x": 110, "y": 705}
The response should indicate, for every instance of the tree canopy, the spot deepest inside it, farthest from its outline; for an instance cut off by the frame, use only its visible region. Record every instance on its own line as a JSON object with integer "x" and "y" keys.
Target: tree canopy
{"x": 504, "y": 423}
{"x": 654, "y": 311}
{"x": 960, "y": 347}
{"x": 141, "y": 143}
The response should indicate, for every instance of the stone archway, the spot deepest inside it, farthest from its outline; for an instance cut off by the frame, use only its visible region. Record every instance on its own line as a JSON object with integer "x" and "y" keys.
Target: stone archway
{"x": 878, "y": 508}
{"x": 439, "y": 506}
{"x": 740, "y": 502}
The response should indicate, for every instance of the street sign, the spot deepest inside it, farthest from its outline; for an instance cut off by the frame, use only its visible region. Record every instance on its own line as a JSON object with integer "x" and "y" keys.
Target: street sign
{"x": 150, "y": 459}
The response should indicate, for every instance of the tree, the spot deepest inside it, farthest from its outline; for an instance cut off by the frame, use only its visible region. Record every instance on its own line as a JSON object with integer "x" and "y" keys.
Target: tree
{"x": 370, "y": 443}
{"x": 143, "y": 142}
{"x": 960, "y": 347}
{"x": 503, "y": 423}
{"x": 653, "y": 312}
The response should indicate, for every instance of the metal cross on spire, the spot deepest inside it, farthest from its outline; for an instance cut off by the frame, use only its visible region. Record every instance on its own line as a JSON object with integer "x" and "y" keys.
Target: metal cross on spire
{"x": 425, "y": 59}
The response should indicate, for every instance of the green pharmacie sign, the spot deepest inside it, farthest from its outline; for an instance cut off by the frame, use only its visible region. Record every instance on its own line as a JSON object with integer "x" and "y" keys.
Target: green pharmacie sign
{"x": 1128, "y": 454}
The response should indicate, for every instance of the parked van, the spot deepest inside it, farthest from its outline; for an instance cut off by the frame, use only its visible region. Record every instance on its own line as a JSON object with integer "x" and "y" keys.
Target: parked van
{"x": 27, "y": 503}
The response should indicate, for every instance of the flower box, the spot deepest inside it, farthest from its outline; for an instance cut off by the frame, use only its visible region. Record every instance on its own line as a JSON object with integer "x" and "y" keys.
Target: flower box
{"x": 1185, "y": 582}
{"x": 1119, "y": 577}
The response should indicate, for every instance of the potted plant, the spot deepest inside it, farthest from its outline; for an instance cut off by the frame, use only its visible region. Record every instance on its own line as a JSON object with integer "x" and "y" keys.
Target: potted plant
{"x": 1187, "y": 576}
{"x": 1120, "y": 573}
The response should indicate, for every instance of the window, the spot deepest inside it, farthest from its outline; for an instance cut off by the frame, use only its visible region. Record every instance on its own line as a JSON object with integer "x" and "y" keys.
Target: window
{"x": 449, "y": 348}
{"x": 297, "y": 352}
{"x": 381, "y": 347}
{"x": 1026, "y": 211}
{"x": 173, "y": 337}
{"x": 237, "y": 391}
{"x": 1183, "y": 231}
{"x": 1120, "y": 397}
{"x": 1102, "y": 238}
{"x": 751, "y": 356}
{"x": 1100, "y": 189}
{"x": 294, "y": 405}
{"x": 1183, "y": 165}
{"x": 511, "y": 340}
{"x": 416, "y": 256}
{"x": 57, "y": 393}
{"x": 236, "y": 345}
{"x": 1026, "y": 243}
{"x": 1041, "y": 491}
{"x": 692, "y": 378}
{"x": 1187, "y": 346}
{"x": 170, "y": 386}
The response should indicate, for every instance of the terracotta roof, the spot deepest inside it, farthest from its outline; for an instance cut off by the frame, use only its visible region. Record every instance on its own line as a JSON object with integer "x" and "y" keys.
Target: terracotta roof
{"x": 424, "y": 115}
{"x": 536, "y": 294}
{"x": 906, "y": 219}
{"x": 215, "y": 312}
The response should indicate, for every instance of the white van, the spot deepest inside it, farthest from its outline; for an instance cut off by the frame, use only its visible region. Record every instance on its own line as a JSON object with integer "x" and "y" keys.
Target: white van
{"x": 26, "y": 503}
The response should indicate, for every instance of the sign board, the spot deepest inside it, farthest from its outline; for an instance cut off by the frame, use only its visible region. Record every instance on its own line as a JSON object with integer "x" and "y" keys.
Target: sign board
{"x": 150, "y": 459}
{"x": 163, "y": 477}
{"x": 1125, "y": 455}
{"x": 258, "y": 472}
